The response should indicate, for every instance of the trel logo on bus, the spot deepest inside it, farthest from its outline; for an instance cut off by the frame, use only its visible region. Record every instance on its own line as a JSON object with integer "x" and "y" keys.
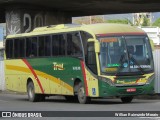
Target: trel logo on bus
{"x": 57, "y": 66}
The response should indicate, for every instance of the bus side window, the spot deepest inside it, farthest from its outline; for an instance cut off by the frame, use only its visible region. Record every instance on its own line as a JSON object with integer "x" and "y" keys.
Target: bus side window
{"x": 91, "y": 58}
{"x": 28, "y": 47}
{"x": 41, "y": 46}
{"x": 62, "y": 43}
{"x": 55, "y": 45}
{"x": 58, "y": 45}
{"x": 31, "y": 45}
{"x": 22, "y": 47}
{"x": 44, "y": 46}
{"x": 9, "y": 48}
{"x": 16, "y": 48}
{"x": 85, "y": 36}
{"x": 19, "y": 48}
{"x": 47, "y": 46}
{"x": 74, "y": 46}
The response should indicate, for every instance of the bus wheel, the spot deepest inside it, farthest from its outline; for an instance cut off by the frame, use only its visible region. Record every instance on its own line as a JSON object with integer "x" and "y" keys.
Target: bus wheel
{"x": 71, "y": 98}
{"x": 82, "y": 98}
{"x": 31, "y": 93}
{"x": 126, "y": 99}
{"x": 42, "y": 97}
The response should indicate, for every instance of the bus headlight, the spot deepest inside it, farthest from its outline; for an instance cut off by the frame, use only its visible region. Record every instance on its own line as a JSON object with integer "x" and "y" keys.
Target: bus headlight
{"x": 150, "y": 79}
{"x": 106, "y": 80}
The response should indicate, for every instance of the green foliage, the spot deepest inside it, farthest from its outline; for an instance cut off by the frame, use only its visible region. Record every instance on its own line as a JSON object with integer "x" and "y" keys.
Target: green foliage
{"x": 89, "y": 20}
{"x": 126, "y": 21}
{"x": 142, "y": 21}
{"x": 146, "y": 21}
{"x": 156, "y": 23}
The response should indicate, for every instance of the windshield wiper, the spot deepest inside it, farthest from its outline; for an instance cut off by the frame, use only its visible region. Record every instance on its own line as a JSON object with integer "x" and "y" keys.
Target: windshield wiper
{"x": 120, "y": 62}
{"x": 135, "y": 61}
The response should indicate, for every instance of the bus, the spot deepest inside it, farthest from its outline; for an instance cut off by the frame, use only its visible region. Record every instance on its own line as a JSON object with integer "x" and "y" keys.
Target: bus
{"x": 80, "y": 62}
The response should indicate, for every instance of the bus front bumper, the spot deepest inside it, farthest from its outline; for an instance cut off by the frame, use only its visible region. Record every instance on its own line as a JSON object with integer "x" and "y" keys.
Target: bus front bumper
{"x": 122, "y": 91}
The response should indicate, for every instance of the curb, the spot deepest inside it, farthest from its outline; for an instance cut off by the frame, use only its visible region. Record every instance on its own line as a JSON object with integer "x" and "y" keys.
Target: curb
{"x": 149, "y": 97}
{"x": 11, "y": 92}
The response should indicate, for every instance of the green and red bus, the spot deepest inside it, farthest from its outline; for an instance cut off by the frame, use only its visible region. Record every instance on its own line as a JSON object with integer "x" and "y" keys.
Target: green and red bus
{"x": 80, "y": 62}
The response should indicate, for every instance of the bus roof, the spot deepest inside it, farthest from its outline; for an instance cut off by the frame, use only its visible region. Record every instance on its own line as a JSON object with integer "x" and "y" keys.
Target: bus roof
{"x": 100, "y": 28}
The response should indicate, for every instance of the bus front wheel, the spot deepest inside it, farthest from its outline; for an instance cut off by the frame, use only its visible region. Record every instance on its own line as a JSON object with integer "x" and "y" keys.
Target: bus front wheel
{"x": 82, "y": 98}
{"x": 126, "y": 99}
{"x": 31, "y": 93}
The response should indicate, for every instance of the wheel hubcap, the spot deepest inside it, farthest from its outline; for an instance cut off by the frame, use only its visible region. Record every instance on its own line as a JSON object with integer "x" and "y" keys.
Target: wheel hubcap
{"x": 31, "y": 92}
{"x": 81, "y": 93}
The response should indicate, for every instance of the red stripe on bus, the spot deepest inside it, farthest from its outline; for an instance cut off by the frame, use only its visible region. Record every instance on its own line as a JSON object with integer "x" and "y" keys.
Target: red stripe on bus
{"x": 84, "y": 76}
{"x": 35, "y": 75}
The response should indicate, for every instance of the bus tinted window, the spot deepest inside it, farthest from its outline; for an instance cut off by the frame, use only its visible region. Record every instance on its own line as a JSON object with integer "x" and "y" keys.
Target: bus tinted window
{"x": 91, "y": 58}
{"x": 9, "y": 48}
{"x": 31, "y": 47}
{"x": 74, "y": 46}
{"x": 22, "y": 48}
{"x": 44, "y": 44}
{"x": 19, "y": 48}
{"x": 85, "y": 36}
{"x": 58, "y": 45}
{"x": 16, "y": 48}
{"x": 47, "y": 46}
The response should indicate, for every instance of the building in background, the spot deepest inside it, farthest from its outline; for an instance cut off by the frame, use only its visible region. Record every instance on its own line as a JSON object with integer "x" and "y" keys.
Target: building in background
{"x": 153, "y": 33}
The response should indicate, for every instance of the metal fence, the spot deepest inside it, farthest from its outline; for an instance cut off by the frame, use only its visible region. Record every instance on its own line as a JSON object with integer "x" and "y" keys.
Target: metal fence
{"x": 156, "y": 56}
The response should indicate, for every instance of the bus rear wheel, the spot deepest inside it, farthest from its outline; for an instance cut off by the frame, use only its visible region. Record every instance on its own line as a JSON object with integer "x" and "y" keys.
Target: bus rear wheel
{"x": 126, "y": 99}
{"x": 82, "y": 98}
{"x": 31, "y": 93}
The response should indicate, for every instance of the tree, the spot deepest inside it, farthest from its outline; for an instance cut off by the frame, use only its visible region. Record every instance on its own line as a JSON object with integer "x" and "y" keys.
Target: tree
{"x": 142, "y": 20}
{"x": 88, "y": 20}
{"x": 156, "y": 23}
{"x": 146, "y": 21}
{"x": 125, "y": 21}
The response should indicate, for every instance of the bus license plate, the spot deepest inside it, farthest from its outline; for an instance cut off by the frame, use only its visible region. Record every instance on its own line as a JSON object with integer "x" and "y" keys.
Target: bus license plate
{"x": 131, "y": 90}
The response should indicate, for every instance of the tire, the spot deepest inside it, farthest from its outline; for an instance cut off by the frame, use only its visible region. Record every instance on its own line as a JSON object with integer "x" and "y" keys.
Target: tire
{"x": 31, "y": 93}
{"x": 71, "y": 98}
{"x": 42, "y": 97}
{"x": 82, "y": 98}
{"x": 126, "y": 99}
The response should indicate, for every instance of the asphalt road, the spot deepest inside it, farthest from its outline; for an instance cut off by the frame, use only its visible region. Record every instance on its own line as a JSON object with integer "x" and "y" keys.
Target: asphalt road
{"x": 17, "y": 102}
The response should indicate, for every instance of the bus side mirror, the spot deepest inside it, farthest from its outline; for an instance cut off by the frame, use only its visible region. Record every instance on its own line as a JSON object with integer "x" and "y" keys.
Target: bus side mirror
{"x": 97, "y": 47}
{"x": 152, "y": 44}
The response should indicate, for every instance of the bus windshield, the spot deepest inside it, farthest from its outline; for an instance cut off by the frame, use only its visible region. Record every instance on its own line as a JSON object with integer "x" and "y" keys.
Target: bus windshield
{"x": 125, "y": 55}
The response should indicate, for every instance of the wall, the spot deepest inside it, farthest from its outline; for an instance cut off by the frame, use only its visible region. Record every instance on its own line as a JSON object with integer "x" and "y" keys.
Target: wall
{"x": 156, "y": 55}
{"x": 24, "y": 20}
{"x": 2, "y": 78}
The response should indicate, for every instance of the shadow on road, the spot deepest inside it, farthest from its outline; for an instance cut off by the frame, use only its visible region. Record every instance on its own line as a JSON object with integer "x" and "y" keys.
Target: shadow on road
{"x": 62, "y": 100}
